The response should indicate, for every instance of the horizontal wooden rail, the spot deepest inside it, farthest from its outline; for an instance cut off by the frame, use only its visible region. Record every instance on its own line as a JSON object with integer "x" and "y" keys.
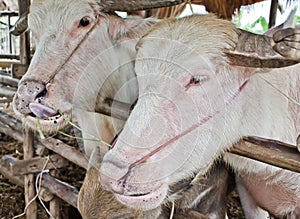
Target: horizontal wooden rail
{"x": 272, "y": 152}
{"x": 62, "y": 190}
{"x": 265, "y": 150}
{"x": 37, "y": 164}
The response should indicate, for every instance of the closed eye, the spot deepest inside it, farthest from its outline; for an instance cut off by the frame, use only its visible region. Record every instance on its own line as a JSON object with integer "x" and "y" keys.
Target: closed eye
{"x": 196, "y": 80}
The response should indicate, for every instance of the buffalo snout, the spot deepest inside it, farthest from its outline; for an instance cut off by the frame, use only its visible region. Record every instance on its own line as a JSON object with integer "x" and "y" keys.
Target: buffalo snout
{"x": 113, "y": 177}
{"x": 29, "y": 92}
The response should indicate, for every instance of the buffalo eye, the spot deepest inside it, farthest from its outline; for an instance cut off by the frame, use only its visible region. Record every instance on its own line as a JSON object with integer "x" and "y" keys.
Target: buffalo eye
{"x": 85, "y": 21}
{"x": 196, "y": 80}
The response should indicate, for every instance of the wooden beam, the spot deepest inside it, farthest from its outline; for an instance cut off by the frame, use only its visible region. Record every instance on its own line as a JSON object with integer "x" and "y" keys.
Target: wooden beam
{"x": 66, "y": 151}
{"x": 10, "y": 121}
{"x": 37, "y": 164}
{"x": 28, "y": 144}
{"x": 55, "y": 203}
{"x": 6, "y": 80}
{"x": 249, "y": 150}
{"x": 7, "y": 92}
{"x": 11, "y": 133}
{"x": 273, "y": 13}
{"x": 5, "y": 164}
{"x": 114, "y": 109}
{"x": 269, "y": 151}
{"x": 61, "y": 189}
{"x": 29, "y": 182}
{"x": 5, "y": 63}
{"x": 55, "y": 145}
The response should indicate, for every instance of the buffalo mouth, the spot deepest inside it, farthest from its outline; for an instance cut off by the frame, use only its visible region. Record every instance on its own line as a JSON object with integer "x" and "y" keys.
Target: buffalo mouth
{"x": 145, "y": 201}
{"x": 44, "y": 115}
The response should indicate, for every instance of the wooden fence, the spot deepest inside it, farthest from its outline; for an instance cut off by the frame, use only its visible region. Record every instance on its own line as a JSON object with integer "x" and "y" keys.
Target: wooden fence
{"x": 23, "y": 172}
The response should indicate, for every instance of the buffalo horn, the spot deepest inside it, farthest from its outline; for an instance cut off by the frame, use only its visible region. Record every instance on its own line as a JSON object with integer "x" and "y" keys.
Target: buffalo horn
{"x": 20, "y": 25}
{"x": 122, "y": 5}
{"x": 261, "y": 51}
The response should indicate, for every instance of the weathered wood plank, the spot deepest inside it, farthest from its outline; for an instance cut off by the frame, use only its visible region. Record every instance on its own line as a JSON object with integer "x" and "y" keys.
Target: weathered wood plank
{"x": 10, "y": 121}
{"x": 55, "y": 203}
{"x": 273, "y": 13}
{"x": 5, "y": 164}
{"x": 9, "y": 81}
{"x": 79, "y": 159}
{"x": 7, "y": 92}
{"x": 62, "y": 190}
{"x": 11, "y": 132}
{"x": 66, "y": 151}
{"x": 136, "y": 5}
{"x": 29, "y": 188}
{"x": 52, "y": 185}
{"x": 114, "y": 109}
{"x": 6, "y": 63}
{"x": 269, "y": 151}
{"x": 37, "y": 164}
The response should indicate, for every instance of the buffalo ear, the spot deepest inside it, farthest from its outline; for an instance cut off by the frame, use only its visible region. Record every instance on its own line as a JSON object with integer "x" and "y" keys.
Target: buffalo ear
{"x": 124, "y": 29}
{"x": 138, "y": 27}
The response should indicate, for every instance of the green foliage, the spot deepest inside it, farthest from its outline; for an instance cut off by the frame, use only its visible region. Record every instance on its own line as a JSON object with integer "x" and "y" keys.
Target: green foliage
{"x": 297, "y": 20}
{"x": 262, "y": 22}
{"x": 259, "y": 26}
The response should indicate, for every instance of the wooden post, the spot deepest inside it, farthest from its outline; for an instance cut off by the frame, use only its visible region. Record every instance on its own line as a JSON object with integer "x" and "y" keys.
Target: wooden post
{"x": 55, "y": 203}
{"x": 273, "y": 13}
{"x": 29, "y": 182}
{"x": 25, "y": 37}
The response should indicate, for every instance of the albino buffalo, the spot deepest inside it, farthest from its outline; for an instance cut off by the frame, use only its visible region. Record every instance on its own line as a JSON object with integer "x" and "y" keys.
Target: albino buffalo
{"x": 84, "y": 55}
{"x": 70, "y": 36}
{"x": 194, "y": 104}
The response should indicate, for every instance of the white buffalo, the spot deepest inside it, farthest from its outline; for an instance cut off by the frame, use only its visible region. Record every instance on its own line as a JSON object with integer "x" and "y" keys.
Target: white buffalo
{"x": 194, "y": 104}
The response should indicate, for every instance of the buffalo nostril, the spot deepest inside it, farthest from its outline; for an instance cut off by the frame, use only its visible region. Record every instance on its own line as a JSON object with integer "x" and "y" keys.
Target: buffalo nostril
{"x": 29, "y": 92}
{"x": 42, "y": 94}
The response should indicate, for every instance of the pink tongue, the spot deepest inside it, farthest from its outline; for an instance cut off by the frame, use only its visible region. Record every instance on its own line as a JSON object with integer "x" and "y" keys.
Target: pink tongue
{"x": 42, "y": 111}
